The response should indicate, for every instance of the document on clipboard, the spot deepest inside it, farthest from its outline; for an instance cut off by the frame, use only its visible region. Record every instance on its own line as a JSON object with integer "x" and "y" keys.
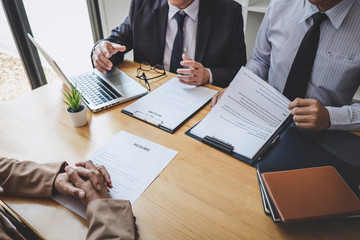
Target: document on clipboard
{"x": 247, "y": 118}
{"x": 170, "y": 105}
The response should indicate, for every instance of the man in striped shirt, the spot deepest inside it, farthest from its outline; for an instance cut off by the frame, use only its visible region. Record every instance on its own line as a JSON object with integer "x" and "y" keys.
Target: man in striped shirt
{"x": 335, "y": 75}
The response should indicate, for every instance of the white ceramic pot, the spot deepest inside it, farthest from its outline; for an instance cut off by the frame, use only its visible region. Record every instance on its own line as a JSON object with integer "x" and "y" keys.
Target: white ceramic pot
{"x": 78, "y": 119}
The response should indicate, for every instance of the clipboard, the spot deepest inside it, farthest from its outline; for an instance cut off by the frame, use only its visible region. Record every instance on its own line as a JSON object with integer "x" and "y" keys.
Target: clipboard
{"x": 150, "y": 119}
{"x": 228, "y": 148}
{"x": 249, "y": 109}
{"x": 170, "y": 105}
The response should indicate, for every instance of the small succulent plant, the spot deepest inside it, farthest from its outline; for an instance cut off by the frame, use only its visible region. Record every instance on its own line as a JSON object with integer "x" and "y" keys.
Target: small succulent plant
{"x": 73, "y": 98}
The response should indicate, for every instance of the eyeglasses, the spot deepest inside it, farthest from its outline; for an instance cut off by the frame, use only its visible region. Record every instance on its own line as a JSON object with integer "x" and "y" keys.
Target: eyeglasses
{"x": 145, "y": 67}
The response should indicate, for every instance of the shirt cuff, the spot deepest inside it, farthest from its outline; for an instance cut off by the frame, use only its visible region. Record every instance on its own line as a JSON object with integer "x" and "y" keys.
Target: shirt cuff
{"x": 339, "y": 118}
{"x": 210, "y": 76}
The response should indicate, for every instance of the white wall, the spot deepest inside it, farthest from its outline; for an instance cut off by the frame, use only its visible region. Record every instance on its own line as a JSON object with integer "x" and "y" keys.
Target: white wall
{"x": 55, "y": 25}
{"x": 113, "y": 13}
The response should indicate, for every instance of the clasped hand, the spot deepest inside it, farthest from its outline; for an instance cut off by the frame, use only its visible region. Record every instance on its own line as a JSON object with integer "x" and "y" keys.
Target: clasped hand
{"x": 87, "y": 182}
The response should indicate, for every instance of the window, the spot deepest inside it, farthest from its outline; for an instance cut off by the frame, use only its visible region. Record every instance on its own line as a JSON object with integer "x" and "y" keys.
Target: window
{"x": 64, "y": 30}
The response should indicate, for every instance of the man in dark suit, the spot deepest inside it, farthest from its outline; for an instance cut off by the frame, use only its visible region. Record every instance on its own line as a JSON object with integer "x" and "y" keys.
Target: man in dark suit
{"x": 211, "y": 41}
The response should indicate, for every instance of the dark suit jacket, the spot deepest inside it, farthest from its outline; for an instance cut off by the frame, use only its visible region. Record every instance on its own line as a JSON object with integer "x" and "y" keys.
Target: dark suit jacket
{"x": 220, "y": 38}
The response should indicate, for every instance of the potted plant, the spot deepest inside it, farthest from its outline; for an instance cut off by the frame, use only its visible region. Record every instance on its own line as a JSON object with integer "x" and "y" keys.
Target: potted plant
{"x": 75, "y": 110}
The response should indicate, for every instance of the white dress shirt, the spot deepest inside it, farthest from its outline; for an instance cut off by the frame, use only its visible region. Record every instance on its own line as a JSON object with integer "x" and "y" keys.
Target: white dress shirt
{"x": 336, "y": 71}
{"x": 190, "y": 32}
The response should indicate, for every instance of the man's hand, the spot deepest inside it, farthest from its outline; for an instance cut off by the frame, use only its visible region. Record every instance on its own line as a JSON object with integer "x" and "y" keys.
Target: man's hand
{"x": 217, "y": 97}
{"x": 194, "y": 74}
{"x": 102, "y": 52}
{"x": 64, "y": 186}
{"x": 94, "y": 172}
{"x": 309, "y": 114}
{"x": 90, "y": 192}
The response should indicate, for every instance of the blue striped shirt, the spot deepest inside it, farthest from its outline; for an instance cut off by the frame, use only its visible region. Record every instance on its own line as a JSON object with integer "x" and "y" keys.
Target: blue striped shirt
{"x": 336, "y": 71}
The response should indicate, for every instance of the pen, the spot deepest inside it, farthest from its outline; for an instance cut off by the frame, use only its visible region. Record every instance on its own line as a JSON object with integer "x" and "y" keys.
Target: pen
{"x": 146, "y": 81}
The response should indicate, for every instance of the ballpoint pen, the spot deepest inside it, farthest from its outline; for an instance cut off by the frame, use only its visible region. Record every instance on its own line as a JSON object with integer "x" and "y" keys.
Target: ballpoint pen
{"x": 146, "y": 81}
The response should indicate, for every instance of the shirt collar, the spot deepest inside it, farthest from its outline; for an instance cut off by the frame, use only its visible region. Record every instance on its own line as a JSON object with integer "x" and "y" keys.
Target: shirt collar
{"x": 336, "y": 14}
{"x": 192, "y": 10}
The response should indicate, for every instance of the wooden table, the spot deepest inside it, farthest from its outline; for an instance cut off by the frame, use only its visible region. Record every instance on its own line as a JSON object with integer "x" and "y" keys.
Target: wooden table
{"x": 202, "y": 194}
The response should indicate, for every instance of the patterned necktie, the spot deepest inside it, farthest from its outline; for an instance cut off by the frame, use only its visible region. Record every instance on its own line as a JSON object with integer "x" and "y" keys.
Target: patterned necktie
{"x": 300, "y": 72}
{"x": 178, "y": 46}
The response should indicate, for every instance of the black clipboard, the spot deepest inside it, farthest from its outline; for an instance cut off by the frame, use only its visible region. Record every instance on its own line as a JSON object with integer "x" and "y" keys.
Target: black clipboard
{"x": 228, "y": 148}
{"x": 148, "y": 118}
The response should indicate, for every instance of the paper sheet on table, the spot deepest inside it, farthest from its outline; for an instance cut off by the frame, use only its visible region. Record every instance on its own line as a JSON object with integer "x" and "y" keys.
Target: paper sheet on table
{"x": 171, "y": 104}
{"x": 247, "y": 115}
{"x": 133, "y": 164}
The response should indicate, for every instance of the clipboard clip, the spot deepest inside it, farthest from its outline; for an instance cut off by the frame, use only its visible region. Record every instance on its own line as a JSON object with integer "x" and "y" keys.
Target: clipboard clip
{"x": 218, "y": 144}
{"x": 148, "y": 118}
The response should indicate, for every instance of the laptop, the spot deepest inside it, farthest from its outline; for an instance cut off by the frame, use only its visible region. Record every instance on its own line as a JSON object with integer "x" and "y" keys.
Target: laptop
{"x": 99, "y": 91}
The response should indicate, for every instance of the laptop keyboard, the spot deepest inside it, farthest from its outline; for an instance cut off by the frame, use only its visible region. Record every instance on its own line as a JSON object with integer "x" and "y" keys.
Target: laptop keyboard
{"x": 94, "y": 88}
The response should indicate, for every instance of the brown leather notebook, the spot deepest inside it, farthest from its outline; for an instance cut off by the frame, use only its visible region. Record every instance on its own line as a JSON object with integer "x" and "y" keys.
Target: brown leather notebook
{"x": 310, "y": 193}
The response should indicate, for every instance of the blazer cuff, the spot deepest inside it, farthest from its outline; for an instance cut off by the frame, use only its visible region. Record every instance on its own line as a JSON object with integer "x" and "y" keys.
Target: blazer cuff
{"x": 110, "y": 219}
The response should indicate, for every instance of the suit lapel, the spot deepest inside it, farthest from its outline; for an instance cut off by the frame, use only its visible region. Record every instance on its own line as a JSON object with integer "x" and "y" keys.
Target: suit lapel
{"x": 204, "y": 28}
{"x": 160, "y": 13}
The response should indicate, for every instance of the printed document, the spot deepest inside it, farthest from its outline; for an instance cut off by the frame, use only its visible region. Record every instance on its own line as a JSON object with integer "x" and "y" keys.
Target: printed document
{"x": 247, "y": 115}
{"x": 170, "y": 104}
{"x": 133, "y": 164}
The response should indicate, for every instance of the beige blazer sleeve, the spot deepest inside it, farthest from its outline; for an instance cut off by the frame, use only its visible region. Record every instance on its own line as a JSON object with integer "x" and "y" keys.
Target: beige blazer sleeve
{"x": 107, "y": 218}
{"x": 110, "y": 219}
{"x": 28, "y": 179}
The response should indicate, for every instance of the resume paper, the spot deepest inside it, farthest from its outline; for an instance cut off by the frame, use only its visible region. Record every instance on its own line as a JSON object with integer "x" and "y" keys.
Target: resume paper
{"x": 133, "y": 164}
{"x": 247, "y": 115}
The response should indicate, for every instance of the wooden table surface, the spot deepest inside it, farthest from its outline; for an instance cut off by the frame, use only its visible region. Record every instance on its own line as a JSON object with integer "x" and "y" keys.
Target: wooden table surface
{"x": 202, "y": 194}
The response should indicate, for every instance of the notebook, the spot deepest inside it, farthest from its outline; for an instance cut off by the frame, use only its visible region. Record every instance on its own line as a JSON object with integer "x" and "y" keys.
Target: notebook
{"x": 99, "y": 91}
{"x": 310, "y": 194}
